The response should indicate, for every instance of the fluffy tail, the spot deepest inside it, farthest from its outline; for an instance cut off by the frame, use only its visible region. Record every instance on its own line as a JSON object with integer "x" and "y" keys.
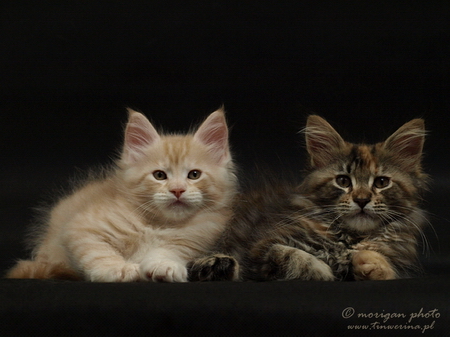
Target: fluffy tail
{"x": 25, "y": 269}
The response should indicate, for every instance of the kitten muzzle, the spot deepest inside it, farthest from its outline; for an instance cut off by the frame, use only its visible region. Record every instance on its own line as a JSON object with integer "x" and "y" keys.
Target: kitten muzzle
{"x": 178, "y": 192}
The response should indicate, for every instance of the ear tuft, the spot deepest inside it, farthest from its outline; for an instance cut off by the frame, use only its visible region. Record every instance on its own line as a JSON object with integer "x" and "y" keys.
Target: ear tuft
{"x": 406, "y": 144}
{"x": 323, "y": 143}
{"x": 213, "y": 132}
{"x": 139, "y": 134}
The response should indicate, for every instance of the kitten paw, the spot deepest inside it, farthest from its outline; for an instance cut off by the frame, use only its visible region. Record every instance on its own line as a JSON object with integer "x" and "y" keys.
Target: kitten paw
{"x": 371, "y": 265}
{"x": 163, "y": 271}
{"x": 128, "y": 272}
{"x": 216, "y": 267}
{"x": 289, "y": 263}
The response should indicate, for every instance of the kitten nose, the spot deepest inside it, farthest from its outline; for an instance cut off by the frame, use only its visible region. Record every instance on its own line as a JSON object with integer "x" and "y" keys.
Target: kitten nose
{"x": 178, "y": 192}
{"x": 362, "y": 202}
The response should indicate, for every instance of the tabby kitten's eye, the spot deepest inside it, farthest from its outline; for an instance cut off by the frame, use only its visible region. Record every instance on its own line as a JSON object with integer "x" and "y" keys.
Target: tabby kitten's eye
{"x": 343, "y": 181}
{"x": 381, "y": 182}
{"x": 160, "y": 175}
{"x": 194, "y": 174}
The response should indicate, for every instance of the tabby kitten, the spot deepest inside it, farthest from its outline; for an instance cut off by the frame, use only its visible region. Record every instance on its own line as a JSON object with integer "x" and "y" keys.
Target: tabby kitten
{"x": 355, "y": 215}
{"x": 164, "y": 203}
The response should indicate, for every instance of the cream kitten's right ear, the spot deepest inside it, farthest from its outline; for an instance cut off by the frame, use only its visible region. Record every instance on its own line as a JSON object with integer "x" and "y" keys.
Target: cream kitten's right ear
{"x": 139, "y": 134}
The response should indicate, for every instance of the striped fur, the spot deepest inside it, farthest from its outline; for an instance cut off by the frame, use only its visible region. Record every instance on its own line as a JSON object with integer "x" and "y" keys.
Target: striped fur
{"x": 165, "y": 203}
{"x": 356, "y": 215}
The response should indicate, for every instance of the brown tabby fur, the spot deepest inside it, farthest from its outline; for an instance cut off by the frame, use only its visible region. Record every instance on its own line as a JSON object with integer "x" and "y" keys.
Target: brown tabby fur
{"x": 356, "y": 215}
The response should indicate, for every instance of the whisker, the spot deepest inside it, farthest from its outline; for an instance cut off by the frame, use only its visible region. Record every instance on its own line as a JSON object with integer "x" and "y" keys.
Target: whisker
{"x": 407, "y": 221}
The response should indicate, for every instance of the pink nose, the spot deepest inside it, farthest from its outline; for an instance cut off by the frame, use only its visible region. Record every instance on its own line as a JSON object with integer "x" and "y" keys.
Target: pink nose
{"x": 178, "y": 192}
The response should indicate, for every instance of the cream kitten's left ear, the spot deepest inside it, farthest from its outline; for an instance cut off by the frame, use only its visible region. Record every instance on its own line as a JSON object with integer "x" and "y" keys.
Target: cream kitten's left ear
{"x": 214, "y": 133}
{"x": 139, "y": 134}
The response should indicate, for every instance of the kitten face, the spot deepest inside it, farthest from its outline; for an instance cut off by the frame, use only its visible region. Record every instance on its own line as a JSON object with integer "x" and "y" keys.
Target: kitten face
{"x": 178, "y": 178}
{"x": 370, "y": 192}
{"x": 173, "y": 177}
{"x": 365, "y": 186}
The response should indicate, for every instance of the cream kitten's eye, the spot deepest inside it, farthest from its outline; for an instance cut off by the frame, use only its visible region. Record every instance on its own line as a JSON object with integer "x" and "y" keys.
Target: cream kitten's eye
{"x": 343, "y": 181}
{"x": 194, "y": 174}
{"x": 381, "y": 182}
{"x": 160, "y": 175}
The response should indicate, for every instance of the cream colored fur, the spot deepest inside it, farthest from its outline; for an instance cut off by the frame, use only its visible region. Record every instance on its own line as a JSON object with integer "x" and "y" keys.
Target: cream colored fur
{"x": 131, "y": 226}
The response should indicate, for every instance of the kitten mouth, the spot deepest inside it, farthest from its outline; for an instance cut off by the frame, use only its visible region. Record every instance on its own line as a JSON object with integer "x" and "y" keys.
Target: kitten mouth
{"x": 362, "y": 215}
{"x": 178, "y": 203}
{"x": 362, "y": 221}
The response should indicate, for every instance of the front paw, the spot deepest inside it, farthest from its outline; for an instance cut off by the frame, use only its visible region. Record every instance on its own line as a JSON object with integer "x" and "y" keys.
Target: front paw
{"x": 371, "y": 265}
{"x": 126, "y": 272}
{"x": 163, "y": 271}
{"x": 216, "y": 267}
{"x": 289, "y": 263}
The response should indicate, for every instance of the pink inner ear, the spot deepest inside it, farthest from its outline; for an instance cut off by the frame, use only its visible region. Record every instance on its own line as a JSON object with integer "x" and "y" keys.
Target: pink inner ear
{"x": 214, "y": 133}
{"x": 136, "y": 136}
{"x": 139, "y": 134}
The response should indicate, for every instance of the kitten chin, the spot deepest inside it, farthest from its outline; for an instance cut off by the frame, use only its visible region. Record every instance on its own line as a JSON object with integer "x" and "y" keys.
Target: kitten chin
{"x": 361, "y": 220}
{"x": 178, "y": 209}
{"x": 361, "y": 223}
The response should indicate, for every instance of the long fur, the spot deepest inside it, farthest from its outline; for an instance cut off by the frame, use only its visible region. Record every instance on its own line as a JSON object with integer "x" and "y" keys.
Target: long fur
{"x": 356, "y": 215}
{"x": 164, "y": 203}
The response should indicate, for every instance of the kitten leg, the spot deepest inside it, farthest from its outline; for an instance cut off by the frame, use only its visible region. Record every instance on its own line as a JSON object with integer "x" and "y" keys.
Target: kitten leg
{"x": 289, "y": 263}
{"x": 163, "y": 266}
{"x": 217, "y": 267}
{"x": 36, "y": 269}
{"x": 112, "y": 269}
{"x": 371, "y": 265}
{"x": 99, "y": 262}
{"x": 92, "y": 260}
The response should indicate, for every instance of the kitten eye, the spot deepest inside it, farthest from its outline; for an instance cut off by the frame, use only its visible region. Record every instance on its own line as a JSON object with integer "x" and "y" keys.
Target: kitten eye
{"x": 381, "y": 182}
{"x": 160, "y": 175}
{"x": 343, "y": 181}
{"x": 194, "y": 174}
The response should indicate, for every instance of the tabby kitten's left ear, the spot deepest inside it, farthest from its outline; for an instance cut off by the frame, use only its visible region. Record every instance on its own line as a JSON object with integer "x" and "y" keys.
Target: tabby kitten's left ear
{"x": 213, "y": 132}
{"x": 139, "y": 134}
{"x": 406, "y": 144}
{"x": 323, "y": 143}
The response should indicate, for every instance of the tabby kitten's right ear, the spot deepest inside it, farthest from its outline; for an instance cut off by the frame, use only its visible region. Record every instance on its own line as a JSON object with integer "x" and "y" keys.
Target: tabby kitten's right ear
{"x": 139, "y": 134}
{"x": 323, "y": 143}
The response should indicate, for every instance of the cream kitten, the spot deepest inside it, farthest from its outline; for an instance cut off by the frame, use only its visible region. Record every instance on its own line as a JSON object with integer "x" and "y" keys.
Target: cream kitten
{"x": 165, "y": 202}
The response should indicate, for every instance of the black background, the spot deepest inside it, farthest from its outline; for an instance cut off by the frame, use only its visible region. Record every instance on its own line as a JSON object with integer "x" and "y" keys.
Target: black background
{"x": 69, "y": 70}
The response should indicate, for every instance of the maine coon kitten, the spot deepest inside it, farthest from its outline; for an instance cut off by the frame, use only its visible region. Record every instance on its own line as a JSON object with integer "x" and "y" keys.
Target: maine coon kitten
{"x": 165, "y": 202}
{"x": 355, "y": 215}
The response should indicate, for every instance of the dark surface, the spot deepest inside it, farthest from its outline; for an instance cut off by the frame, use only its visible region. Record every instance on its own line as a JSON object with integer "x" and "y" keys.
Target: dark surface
{"x": 225, "y": 308}
{"x": 69, "y": 71}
